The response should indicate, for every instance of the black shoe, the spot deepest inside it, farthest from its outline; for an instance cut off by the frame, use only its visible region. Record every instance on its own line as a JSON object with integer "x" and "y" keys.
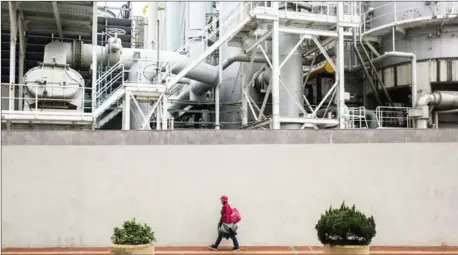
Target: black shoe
{"x": 213, "y": 247}
{"x": 236, "y": 249}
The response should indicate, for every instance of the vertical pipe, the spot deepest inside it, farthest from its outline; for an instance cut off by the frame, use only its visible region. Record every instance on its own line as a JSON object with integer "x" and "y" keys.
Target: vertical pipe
{"x": 436, "y": 120}
{"x": 94, "y": 61}
{"x": 172, "y": 24}
{"x": 275, "y": 71}
{"x": 158, "y": 49}
{"x": 220, "y": 74}
{"x": 21, "y": 61}
{"x": 158, "y": 116}
{"x": 13, "y": 38}
{"x": 393, "y": 35}
{"x": 126, "y": 111}
{"x": 414, "y": 91}
{"x": 341, "y": 65}
{"x": 152, "y": 17}
{"x": 164, "y": 114}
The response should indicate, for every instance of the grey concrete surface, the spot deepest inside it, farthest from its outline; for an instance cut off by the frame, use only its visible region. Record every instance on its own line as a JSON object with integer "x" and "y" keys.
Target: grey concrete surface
{"x": 75, "y": 195}
{"x": 226, "y": 137}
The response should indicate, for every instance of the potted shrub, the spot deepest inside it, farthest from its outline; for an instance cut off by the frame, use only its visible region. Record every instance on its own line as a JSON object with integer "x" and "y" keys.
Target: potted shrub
{"x": 132, "y": 238}
{"x": 345, "y": 230}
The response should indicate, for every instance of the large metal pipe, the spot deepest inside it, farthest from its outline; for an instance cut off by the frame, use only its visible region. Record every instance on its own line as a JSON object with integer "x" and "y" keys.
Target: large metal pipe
{"x": 440, "y": 100}
{"x": 172, "y": 25}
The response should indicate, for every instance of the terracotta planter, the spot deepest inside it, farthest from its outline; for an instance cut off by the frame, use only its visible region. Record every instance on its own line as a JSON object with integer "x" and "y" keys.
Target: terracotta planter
{"x": 347, "y": 249}
{"x": 132, "y": 249}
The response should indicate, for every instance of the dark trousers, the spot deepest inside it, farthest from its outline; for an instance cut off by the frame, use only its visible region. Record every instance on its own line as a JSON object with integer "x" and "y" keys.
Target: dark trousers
{"x": 233, "y": 237}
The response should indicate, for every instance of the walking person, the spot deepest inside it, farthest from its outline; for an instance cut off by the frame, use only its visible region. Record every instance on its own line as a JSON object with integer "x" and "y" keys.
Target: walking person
{"x": 226, "y": 227}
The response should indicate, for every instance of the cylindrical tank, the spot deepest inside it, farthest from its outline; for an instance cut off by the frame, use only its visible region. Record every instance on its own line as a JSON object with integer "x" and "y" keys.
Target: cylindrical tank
{"x": 291, "y": 73}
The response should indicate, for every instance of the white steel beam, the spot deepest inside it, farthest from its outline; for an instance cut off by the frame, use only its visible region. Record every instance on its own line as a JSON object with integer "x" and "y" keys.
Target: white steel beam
{"x": 20, "y": 23}
{"x": 323, "y": 51}
{"x": 164, "y": 113}
{"x": 138, "y": 106}
{"x": 260, "y": 40}
{"x": 220, "y": 82}
{"x": 94, "y": 63}
{"x": 13, "y": 39}
{"x": 126, "y": 111}
{"x": 151, "y": 112}
{"x": 340, "y": 65}
{"x": 55, "y": 10}
{"x": 306, "y": 31}
{"x": 275, "y": 70}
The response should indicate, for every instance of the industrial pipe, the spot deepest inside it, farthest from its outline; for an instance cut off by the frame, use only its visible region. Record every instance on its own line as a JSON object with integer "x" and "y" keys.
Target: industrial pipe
{"x": 324, "y": 68}
{"x": 440, "y": 100}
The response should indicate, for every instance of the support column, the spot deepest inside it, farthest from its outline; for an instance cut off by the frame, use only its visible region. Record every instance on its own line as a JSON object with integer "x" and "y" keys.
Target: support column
{"x": 275, "y": 71}
{"x": 244, "y": 98}
{"x": 165, "y": 113}
{"x": 20, "y": 24}
{"x": 220, "y": 73}
{"x": 340, "y": 66}
{"x": 94, "y": 61}
{"x": 13, "y": 39}
{"x": 126, "y": 111}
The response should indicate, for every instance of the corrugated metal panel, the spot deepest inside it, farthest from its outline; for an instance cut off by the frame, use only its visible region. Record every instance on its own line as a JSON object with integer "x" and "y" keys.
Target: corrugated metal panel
{"x": 443, "y": 70}
{"x": 455, "y": 70}
{"x": 423, "y": 76}
{"x": 432, "y": 70}
{"x": 388, "y": 77}
{"x": 404, "y": 73}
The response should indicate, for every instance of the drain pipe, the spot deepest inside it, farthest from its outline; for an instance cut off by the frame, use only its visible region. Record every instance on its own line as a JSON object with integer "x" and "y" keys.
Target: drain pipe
{"x": 440, "y": 100}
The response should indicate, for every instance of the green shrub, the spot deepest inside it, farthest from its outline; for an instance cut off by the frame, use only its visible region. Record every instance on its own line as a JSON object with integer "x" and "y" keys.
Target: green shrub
{"x": 345, "y": 226}
{"x": 133, "y": 233}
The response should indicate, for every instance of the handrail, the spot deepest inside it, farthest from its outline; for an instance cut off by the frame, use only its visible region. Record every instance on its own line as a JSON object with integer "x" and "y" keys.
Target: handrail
{"x": 200, "y": 34}
{"x": 444, "y": 9}
{"x": 109, "y": 71}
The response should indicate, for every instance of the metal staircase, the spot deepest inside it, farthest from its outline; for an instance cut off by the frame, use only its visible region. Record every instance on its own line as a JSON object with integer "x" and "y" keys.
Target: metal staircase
{"x": 109, "y": 90}
{"x": 371, "y": 75}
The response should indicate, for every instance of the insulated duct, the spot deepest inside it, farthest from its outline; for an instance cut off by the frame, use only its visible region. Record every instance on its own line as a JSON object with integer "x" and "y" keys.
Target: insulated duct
{"x": 438, "y": 100}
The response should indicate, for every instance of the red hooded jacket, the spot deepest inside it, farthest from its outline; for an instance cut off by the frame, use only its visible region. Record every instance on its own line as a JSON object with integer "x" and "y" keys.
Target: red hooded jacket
{"x": 226, "y": 212}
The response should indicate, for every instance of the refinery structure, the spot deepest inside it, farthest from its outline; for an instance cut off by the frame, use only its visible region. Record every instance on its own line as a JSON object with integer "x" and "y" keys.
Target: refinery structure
{"x": 337, "y": 101}
{"x": 229, "y": 65}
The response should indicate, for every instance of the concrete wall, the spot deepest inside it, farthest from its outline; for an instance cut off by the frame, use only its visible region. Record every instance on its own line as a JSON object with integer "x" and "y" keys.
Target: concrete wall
{"x": 72, "y": 188}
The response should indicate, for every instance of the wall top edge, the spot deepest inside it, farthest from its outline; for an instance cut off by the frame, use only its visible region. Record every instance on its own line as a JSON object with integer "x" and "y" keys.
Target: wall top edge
{"x": 212, "y": 137}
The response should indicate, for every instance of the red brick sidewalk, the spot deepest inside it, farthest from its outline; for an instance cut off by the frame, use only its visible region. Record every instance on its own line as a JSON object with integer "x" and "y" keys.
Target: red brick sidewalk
{"x": 250, "y": 250}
